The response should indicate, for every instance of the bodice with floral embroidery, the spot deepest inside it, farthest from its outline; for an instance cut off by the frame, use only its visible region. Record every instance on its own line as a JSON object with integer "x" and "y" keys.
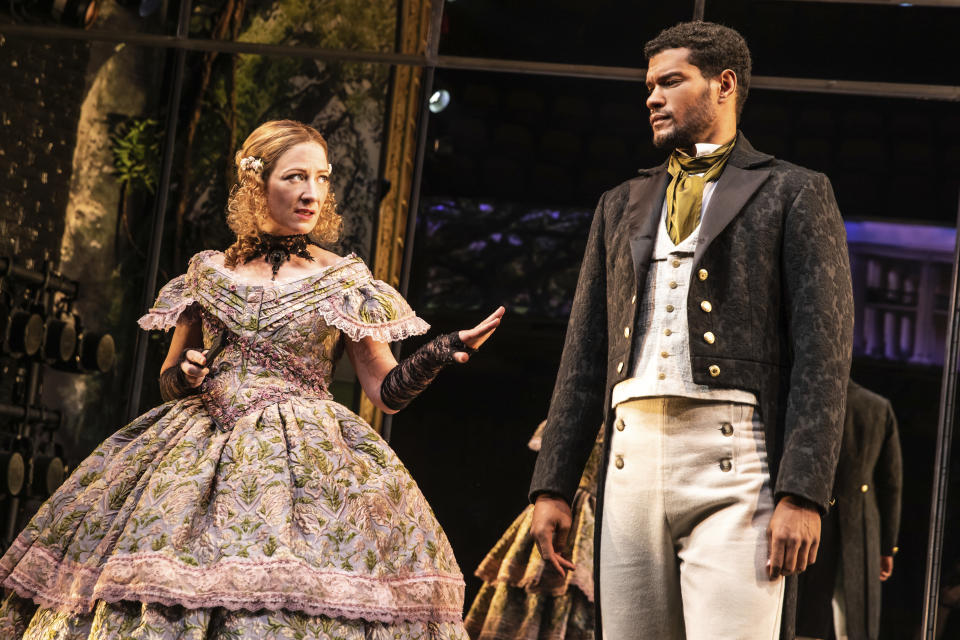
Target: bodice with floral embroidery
{"x": 283, "y": 337}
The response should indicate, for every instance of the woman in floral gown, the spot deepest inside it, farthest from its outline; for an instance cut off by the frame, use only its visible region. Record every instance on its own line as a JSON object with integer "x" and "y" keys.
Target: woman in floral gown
{"x": 251, "y": 505}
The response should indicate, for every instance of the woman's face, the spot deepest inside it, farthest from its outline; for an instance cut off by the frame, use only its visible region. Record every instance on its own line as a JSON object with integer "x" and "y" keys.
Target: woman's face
{"x": 296, "y": 190}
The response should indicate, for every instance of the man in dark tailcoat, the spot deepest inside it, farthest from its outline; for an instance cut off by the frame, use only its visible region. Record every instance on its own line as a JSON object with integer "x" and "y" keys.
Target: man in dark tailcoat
{"x": 859, "y": 536}
{"x": 711, "y": 330}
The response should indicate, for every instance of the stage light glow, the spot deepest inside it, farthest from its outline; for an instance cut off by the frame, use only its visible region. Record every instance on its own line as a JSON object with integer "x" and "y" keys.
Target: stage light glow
{"x": 439, "y": 100}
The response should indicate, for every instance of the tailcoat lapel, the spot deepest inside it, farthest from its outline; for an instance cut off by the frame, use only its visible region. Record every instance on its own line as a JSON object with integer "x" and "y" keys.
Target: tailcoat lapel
{"x": 643, "y": 214}
{"x": 741, "y": 178}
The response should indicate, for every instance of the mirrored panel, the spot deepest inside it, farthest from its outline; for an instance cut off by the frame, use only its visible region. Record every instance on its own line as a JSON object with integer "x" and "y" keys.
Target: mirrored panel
{"x": 882, "y": 42}
{"x": 513, "y": 169}
{"x": 592, "y": 33}
{"x": 81, "y": 160}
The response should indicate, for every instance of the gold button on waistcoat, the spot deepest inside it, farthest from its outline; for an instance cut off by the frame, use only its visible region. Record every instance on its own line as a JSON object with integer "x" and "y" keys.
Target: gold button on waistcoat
{"x": 662, "y": 376}
{"x": 676, "y": 263}
{"x": 673, "y": 284}
{"x": 726, "y": 464}
{"x": 667, "y": 332}
{"x": 669, "y": 308}
{"x": 619, "y": 462}
{"x": 726, "y": 429}
{"x": 709, "y": 338}
{"x": 864, "y": 488}
{"x": 619, "y": 424}
{"x": 706, "y": 306}
{"x": 714, "y": 370}
{"x": 664, "y": 354}
{"x": 702, "y": 274}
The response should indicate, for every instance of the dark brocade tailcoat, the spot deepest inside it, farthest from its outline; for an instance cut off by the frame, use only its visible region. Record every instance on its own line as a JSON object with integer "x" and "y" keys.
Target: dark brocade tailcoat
{"x": 772, "y": 264}
{"x": 868, "y": 491}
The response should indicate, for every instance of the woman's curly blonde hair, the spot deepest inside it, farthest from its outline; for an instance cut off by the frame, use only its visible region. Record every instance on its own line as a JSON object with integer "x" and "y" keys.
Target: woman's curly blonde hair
{"x": 247, "y": 205}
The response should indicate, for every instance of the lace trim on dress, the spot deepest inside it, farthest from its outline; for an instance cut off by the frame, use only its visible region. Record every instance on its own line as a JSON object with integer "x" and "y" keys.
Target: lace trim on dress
{"x": 234, "y": 585}
{"x": 173, "y": 300}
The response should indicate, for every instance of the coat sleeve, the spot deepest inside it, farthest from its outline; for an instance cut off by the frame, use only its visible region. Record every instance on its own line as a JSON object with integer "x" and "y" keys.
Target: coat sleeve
{"x": 816, "y": 273}
{"x": 888, "y": 479}
{"x": 578, "y": 394}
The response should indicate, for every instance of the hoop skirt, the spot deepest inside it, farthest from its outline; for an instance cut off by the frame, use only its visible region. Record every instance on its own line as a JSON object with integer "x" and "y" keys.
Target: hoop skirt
{"x": 258, "y": 508}
{"x": 522, "y": 598}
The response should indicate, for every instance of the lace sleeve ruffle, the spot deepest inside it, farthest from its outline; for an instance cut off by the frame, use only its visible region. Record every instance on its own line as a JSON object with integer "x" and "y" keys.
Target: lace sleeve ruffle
{"x": 173, "y": 300}
{"x": 373, "y": 309}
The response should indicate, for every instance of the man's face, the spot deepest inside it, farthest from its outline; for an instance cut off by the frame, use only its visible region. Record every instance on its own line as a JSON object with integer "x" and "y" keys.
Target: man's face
{"x": 682, "y": 108}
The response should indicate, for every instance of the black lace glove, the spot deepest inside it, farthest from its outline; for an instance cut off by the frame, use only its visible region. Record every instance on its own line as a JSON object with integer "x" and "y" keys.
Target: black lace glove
{"x": 173, "y": 382}
{"x": 410, "y": 377}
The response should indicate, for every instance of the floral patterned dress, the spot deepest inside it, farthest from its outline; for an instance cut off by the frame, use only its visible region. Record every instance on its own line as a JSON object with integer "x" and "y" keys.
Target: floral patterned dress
{"x": 258, "y": 508}
{"x": 523, "y": 598}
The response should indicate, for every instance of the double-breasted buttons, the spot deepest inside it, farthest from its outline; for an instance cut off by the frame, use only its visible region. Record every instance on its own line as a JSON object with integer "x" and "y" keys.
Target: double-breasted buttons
{"x": 667, "y": 332}
{"x": 714, "y": 370}
{"x": 626, "y": 332}
{"x": 618, "y": 462}
{"x": 669, "y": 308}
{"x": 619, "y": 424}
{"x": 702, "y": 274}
{"x": 619, "y": 367}
{"x": 673, "y": 284}
{"x": 709, "y": 338}
{"x": 661, "y": 376}
{"x": 706, "y": 306}
{"x": 726, "y": 464}
{"x": 864, "y": 488}
{"x": 676, "y": 264}
{"x": 664, "y": 354}
{"x": 726, "y": 429}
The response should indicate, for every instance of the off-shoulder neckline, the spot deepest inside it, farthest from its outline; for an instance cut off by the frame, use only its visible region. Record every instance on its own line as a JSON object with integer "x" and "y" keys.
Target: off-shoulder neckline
{"x": 280, "y": 282}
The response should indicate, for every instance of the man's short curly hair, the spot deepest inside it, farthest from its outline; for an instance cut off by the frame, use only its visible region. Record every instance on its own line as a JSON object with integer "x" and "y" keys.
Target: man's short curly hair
{"x": 713, "y": 48}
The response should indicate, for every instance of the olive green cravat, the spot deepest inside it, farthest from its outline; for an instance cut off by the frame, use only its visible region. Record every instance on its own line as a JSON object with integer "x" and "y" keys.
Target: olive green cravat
{"x": 685, "y": 191}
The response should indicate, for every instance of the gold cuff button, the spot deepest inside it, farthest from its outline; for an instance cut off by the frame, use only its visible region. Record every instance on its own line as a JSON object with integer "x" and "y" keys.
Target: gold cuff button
{"x": 864, "y": 488}
{"x": 706, "y": 306}
{"x": 619, "y": 462}
{"x": 896, "y": 550}
{"x": 709, "y": 338}
{"x": 619, "y": 424}
{"x": 714, "y": 370}
{"x": 619, "y": 367}
{"x": 702, "y": 274}
{"x": 669, "y": 308}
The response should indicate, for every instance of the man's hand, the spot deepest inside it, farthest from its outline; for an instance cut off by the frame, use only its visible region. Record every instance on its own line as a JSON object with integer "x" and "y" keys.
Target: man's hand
{"x": 886, "y": 567}
{"x": 793, "y": 537}
{"x": 550, "y": 525}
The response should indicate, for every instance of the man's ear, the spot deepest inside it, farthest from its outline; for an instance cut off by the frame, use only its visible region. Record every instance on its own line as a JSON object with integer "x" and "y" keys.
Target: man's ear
{"x": 728, "y": 85}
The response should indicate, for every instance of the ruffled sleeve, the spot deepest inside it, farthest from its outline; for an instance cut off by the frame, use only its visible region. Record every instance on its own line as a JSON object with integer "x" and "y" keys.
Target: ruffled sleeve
{"x": 174, "y": 299}
{"x": 371, "y": 308}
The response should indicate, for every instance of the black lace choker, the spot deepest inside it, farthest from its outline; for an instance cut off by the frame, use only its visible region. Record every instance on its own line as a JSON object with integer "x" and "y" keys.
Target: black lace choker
{"x": 278, "y": 249}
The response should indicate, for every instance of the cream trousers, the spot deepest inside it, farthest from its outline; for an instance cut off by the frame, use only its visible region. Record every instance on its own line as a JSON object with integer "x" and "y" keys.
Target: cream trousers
{"x": 683, "y": 545}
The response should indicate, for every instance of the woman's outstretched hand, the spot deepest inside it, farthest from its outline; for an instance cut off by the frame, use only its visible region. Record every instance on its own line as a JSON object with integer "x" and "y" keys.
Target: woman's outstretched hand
{"x": 475, "y": 337}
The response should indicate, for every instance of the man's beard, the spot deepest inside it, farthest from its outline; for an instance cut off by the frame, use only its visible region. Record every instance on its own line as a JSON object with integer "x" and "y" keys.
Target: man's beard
{"x": 686, "y": 134}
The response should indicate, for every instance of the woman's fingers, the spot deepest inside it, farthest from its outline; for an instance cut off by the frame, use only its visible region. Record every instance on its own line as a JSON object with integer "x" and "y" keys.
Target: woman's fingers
{"x": 478, "y": 335}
